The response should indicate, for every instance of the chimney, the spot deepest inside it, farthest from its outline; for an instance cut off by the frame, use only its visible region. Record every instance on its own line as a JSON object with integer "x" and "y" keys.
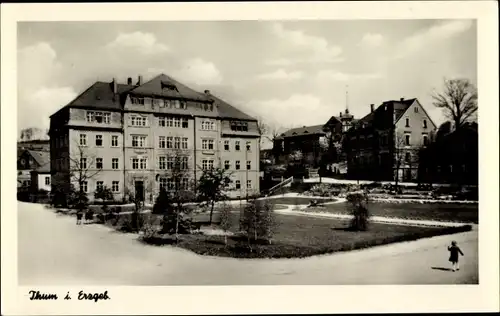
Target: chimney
{"x": 139, "y": 81}
{"x": 114, "y": 86}
{"x": 402, "y": 99}
{"x": 129, "y": 81}
{"x": 340, "y": 114}
{"x": 207, "y": 91}
{"x": 371, "y": 107}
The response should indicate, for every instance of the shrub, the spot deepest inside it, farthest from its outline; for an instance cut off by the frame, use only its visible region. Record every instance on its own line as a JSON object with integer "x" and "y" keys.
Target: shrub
{"x": 176, "y": 218}
{"x": 162, "y": 202}
{"x": 258, "y": 222}
{"x": 358, "y": 204}
{"x": 225, "y": 220}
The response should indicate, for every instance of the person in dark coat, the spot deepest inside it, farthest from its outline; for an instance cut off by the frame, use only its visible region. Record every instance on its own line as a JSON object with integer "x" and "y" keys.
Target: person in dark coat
{"x": 454, "y": 251}
{"x": 79, "y": 216}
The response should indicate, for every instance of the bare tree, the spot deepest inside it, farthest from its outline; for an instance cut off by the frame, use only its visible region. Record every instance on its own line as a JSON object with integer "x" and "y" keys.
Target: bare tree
{"x": 458, "y": 100}
{"x": 180, "y": 189}
{"x": 82, "y": 165}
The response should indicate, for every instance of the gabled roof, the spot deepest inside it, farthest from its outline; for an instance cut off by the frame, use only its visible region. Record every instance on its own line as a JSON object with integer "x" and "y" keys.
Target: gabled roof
{"x": 100, "y": 96}
{"x": 399, "y": 108}
{"x": 166, "y": 86}
{"x": 44, "y": 168}
{"x": 304, "y": 130}
{"x": 227, "y": 111}
{"x": 40, "y": 157}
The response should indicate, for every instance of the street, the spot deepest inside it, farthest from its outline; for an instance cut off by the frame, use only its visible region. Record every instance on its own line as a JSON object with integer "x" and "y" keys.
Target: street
{"x": 55, "y": 251}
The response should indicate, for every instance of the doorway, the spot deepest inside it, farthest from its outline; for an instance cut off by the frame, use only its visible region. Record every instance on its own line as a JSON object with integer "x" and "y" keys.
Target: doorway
{"x": 139, "y": 190}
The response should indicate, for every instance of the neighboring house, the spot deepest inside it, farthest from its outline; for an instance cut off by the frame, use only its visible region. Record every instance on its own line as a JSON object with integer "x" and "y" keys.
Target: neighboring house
{"x": 385, "y": 144}
{"x": 41, "y": 179}
{"x": 315, "y": 143}
{"x": 126, "y": 134}
{"x": 27, "y": 161}
{"x": 452, "y": 157}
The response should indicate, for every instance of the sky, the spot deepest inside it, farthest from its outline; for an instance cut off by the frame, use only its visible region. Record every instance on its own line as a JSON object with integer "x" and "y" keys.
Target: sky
{"x": 286, "y": 73}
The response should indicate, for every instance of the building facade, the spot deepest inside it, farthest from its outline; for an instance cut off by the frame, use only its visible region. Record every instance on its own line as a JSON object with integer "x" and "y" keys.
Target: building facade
{"x": 315, "y": 143}
{"x": 385, "y": 144}
{"x": 127, "y": 136}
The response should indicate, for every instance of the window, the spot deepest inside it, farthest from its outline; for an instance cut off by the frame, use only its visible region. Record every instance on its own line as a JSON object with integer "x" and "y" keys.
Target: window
{"x": 136, "y": 120}
{"x": 226, "y": 145}
{"x": 90, "y": 117}
{"x": 170, "y": 163}
{"x": 170, "y": 121}
{"x": 99, "y": 185}
{"x": 184, "y": 163}
{"x": 114, "y": 186}
{"x": 408, "y": 157}
{"x": 107, "y": 118}
{"x": 170, "y": 184}
{"x": 98, "y": 163}
{"x": 249, "y": 184}
{"x": 237, "y": 165}
{"x": 185, "y": 123}
{"x": 425, "y": 140}
{"x": 184, "y": 143}
{"x": 239, "y": 126}
{"x": 407, "y": 140}
{"x": 161, "y": 121}
{"x": 163, "y": 184}
{"x": 138, "y": 141}
{"x": 207, "y": 164}
{"x": 249, "y": 165}
{"x": 407, "y": 122}
{"x": 47, "y": 180}
{"x": 98, "y": 140}
{"x": 415, "y": 109}
{"x": 237, "y": 145}
{"x": 208, "y": 125}
{"x": 185, "y": 184}
{"x": 237, "y": 184}
{"x": 114, "y": 141}
{"x": 158, "y": 103}
{"x": 176, "y": 104}
{"x": 138, "y": 101}
{"x": 177, "y": 122}
{"x": 143, "y": 163}
{"x": 227, "y": 165}
{"x": 83, "y": 139}
{"x": 425, "y": 123}
{"x": 177, "y": 143}
{"x": 162, "y": 163}
{"x": 99, "y": 117}
{"x": 169, "y": 142}
{"x": 207, "y": 144}
{"x": 84, "y": 186}
{"x": 114, "y": 163}
{"x": 249, "y": 146}
{"x": 161, "y": 142}
{"x": 83, "y": 163}
{"x": 168, "y": 104}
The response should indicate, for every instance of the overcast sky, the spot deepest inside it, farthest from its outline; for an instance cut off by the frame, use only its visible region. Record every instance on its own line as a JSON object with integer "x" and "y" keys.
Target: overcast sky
{"x": 288, "y": 73}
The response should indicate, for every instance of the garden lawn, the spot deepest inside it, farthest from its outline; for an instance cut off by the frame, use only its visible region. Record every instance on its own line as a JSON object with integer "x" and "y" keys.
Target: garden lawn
{"x": 464, "y": 213}
{"x": 302, "y": 236}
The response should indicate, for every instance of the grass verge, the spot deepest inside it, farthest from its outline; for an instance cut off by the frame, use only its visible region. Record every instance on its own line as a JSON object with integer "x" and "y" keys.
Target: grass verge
{"x": 299, "y": 236}
{"x": 463, "y": 213}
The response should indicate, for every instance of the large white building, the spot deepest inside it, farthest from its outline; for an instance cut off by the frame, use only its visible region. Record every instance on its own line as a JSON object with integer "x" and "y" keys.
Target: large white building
{"x": 125, "y": 136}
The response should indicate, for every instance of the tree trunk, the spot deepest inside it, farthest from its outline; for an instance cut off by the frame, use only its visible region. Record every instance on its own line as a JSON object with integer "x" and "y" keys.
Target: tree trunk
{"x": 211, "y": 212}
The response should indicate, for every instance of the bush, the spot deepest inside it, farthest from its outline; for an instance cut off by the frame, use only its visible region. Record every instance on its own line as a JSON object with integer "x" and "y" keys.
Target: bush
{"x": 169, "y": 221}
{"x": 225, "y": 219}
{"x": 162, "y": 202}
{"x": 258, "y": 222}
{"x": 358, "y": 204}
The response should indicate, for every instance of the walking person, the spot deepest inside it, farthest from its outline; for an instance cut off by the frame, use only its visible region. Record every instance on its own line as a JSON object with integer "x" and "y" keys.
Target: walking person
{"x": 79, "y": 216}
{"x": 454, "y": 251}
